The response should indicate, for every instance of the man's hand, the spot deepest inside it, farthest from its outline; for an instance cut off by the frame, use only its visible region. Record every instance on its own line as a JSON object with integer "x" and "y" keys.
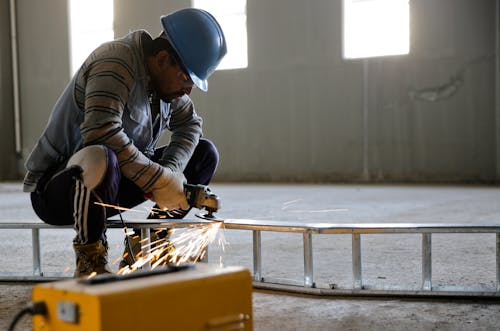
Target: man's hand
{"x": 168, "y": 191}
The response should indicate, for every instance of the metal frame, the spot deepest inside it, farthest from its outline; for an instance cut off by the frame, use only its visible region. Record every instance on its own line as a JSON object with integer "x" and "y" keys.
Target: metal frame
{"x": 308, "y": 285}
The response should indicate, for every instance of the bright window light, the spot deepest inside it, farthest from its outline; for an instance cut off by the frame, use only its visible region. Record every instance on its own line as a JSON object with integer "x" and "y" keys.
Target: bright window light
{"x": 231, "y": 15}
{"x": 376, "y": 28}
{"x": 91, "y": 24}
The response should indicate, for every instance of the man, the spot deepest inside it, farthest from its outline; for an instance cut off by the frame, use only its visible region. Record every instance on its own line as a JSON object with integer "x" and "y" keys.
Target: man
{"x": 100, "y": 141}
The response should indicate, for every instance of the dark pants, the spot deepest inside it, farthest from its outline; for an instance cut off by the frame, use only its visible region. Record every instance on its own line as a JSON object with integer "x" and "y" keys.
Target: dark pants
{"x": 60, "y": 196}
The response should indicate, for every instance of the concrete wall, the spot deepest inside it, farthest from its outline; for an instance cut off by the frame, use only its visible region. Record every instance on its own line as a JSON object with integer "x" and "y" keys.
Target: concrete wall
{"x": 43, "y": 55}
{"x": 301, "y": 112}
{"x": 44, "y": 64}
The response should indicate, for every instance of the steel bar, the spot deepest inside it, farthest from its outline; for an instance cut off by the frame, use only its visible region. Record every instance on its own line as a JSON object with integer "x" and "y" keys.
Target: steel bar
{"x": 497, "y": 86}
{"x": 497, "y": 252}
{"x": 426, "y": 261}
{"x": 146, "y": 245}
{"x": 366, "y": 119}
{"x": 37, "y": 261}
{"x": 283, "y": 281}
{"x": 15, "y": 76}
{"x": 257, "y": 257}
{"x": 357, "y": 276}
{"x": 284, "y": 226}
{"x": 308, "y": 260}
{"x": 446, "y": 292}
{"x": 16, "y": 277}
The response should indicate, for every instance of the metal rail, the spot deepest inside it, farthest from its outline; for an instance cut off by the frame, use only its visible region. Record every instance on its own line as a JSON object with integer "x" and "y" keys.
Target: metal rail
{"x": 308, "y": 285}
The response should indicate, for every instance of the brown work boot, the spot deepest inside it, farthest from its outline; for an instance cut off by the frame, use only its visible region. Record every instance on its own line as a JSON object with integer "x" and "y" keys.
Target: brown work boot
{"x": 158, "y": 238}
{"x": 131, "y": 251}
{"x": 91, "y": 258}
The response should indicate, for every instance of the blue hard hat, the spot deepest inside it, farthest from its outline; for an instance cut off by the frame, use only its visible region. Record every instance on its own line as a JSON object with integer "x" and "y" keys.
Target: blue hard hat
{"x": 198, "y": 40}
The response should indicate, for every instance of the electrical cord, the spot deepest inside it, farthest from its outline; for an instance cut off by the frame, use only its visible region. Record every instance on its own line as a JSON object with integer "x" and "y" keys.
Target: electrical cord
{"x": 127, "y": 237}
{"x": 128, "y": 247}
{"x": 32, "y": 308}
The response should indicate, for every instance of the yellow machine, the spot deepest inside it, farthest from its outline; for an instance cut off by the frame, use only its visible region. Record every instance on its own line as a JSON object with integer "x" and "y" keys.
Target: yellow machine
{"x": 191, "y": 297}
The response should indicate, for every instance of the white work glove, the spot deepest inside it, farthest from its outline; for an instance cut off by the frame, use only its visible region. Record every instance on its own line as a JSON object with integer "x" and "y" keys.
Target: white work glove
{"x": 93, "y": 160}
{"x": 168, "y": 191}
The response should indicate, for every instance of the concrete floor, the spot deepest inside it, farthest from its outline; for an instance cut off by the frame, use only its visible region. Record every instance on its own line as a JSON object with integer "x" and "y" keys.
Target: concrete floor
{"x": 458, "y": 259}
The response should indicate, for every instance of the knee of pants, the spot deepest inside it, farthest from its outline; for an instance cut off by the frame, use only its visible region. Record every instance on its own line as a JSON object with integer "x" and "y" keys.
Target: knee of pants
{"x": 110, "y": 184}
{"x": 203, "y": 164}
{"x": 210, "y": 153}
{"x": 93, "y": 160}
{"x": 100, "y": 170}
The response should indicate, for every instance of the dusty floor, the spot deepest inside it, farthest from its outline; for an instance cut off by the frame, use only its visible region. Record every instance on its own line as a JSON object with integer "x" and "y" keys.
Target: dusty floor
{"x": 388, "y": 259}
{"x": 282, "y": 311}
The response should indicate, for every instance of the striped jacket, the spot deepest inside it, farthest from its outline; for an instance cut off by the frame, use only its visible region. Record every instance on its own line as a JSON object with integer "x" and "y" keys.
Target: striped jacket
{"x": 107, "y": 102}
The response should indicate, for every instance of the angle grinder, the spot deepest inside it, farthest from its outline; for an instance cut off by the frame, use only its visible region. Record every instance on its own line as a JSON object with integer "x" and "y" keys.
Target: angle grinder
{"x": 200, "y": 196}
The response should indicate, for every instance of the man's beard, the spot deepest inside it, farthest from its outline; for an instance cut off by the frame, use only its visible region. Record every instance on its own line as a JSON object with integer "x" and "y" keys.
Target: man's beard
{"x": 171, "y": 96}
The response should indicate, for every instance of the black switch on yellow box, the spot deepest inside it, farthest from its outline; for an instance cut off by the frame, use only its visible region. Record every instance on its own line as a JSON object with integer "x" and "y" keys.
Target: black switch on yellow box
{"x": 194, "y": 297}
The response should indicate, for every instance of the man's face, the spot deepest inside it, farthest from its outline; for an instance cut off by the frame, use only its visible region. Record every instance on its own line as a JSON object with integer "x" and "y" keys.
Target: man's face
{"x": 169, "y": 79}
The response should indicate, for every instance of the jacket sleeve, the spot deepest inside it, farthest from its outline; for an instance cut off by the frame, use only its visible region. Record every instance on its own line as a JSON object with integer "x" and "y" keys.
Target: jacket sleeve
{"x": 186, "y": 128}
{"x": 109, "y": 81}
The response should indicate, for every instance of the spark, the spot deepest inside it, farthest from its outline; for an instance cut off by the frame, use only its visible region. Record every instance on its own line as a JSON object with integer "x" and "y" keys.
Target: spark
{"x": 119, "y": 207}
{"x": 288, "y": 204}
{"x": 318, "y": 211}
{"x": 182, "y": 246}
{"x": 147, "y": 210}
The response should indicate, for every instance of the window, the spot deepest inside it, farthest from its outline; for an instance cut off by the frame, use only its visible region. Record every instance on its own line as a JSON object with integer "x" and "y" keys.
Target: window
{"x": 91, "y": 24}
{"x": 376, "y": 28}
{"x": 231, "y": 15}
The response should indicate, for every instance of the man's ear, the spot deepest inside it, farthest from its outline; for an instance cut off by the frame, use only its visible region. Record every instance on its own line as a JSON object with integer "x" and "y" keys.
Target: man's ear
{"x": 162, "y": 59}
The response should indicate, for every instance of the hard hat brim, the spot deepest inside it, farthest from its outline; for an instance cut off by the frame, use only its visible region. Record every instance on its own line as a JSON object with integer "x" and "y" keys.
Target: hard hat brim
{"x": 202, "y": 84}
